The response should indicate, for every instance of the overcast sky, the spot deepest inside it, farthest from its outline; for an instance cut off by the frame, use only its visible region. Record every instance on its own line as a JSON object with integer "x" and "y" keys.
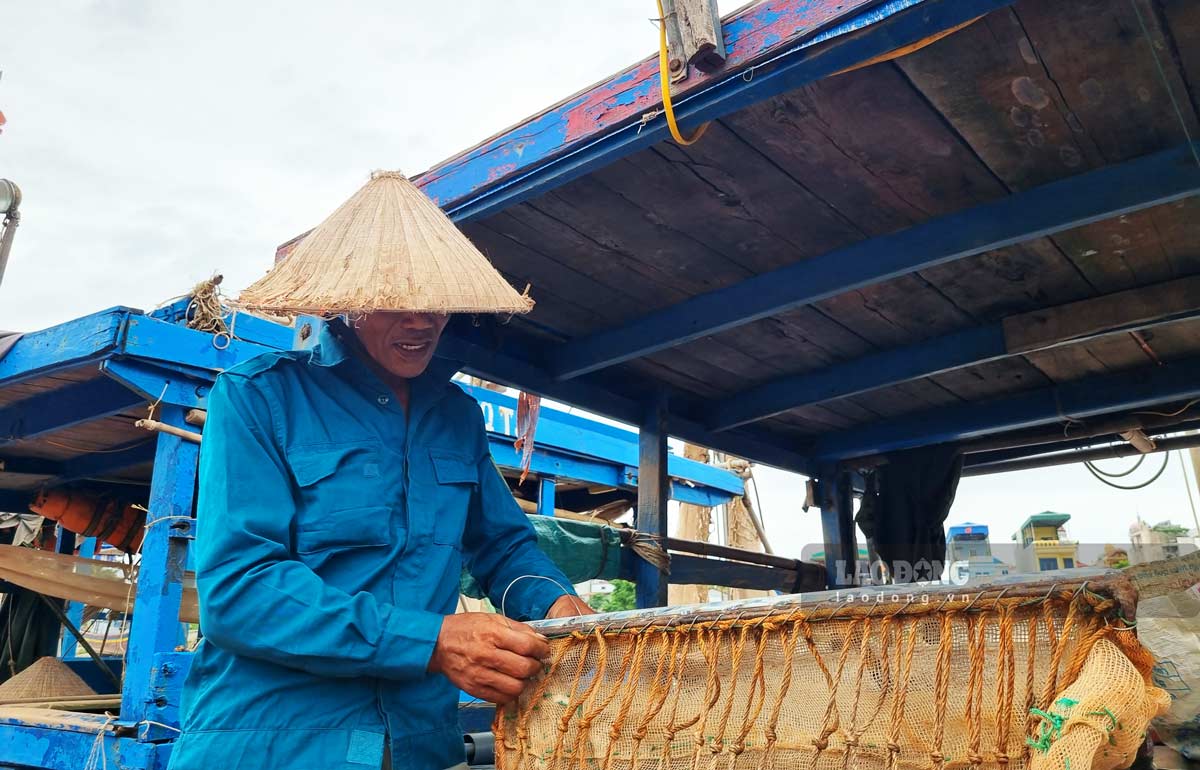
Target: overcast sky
{"x": 159, "y": 142}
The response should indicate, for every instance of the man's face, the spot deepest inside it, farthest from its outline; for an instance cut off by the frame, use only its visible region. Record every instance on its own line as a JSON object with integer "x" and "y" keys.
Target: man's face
{"x": 401, "y": 343}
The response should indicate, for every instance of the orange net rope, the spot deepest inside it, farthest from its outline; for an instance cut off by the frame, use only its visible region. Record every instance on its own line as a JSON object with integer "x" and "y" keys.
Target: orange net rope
{"x": 984, "y": 681}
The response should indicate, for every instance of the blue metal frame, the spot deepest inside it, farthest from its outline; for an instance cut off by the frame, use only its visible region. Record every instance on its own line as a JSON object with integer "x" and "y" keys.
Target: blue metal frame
{"x": 87, "y": 549}
{"x": 1052, "y": 208}
{"x": 545, "y": 153}
{"x": 577, "y": 448}
{"x": 74, "y": 343}
{"x": 156, "y": 629}
{"x": 1173, "y": 381}
{"x": 651, "y": 513}
{"x": 956, "y": 350}
{"x": 518, "y": 366}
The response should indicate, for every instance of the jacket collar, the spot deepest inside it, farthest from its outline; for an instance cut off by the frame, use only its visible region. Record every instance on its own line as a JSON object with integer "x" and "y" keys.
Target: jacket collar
{"x": 336, "y": 345}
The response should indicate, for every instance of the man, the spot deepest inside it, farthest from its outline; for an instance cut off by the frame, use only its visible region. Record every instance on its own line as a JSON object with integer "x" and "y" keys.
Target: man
{"x": 342, "y": 491}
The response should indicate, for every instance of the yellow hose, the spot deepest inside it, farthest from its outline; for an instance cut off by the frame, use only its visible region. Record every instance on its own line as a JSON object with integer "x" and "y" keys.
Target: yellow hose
{"x": 665, "y": 80}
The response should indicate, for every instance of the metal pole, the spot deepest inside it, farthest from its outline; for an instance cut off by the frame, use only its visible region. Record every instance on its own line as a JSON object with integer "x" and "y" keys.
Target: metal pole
{"x": 169, "y": 526}
{"x": 10, "y": 201}
{"x": 1070, "y": 458}
{"x": 546, "y": 489}
{"x": 837, "y": 524}
{"x": 653, "y": 493}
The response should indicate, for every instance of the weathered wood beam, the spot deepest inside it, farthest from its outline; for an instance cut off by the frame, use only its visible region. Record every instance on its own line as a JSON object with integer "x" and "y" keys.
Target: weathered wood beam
{"x": 694, "y": 36}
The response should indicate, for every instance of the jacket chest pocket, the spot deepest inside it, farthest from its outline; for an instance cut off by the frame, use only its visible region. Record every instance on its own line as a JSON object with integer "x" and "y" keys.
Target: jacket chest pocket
{"x": 457, "y": 482}
{"x": 343, "y": 496}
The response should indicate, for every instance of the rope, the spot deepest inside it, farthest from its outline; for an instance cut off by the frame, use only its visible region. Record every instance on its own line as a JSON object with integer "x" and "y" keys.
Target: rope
{"x": 882, "y": 707}
{"x": 1162, "y": 74}
{"x": 1129, "y": 488}
{"x": 665, "y": 85}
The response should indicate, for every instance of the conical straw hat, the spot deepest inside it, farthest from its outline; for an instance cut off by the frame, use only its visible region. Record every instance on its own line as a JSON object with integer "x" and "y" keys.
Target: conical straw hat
{"x": 46, "y": 678}
{"x": 387, "y": 248}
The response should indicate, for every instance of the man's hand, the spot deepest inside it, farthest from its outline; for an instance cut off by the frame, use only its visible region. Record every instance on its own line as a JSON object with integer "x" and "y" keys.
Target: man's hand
{"x": 568, "y": 607}
{"x": 488, "y": 656}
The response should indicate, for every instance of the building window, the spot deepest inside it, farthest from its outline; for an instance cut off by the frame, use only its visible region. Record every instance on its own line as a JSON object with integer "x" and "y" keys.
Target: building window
{"x": 1068, "y": 562}
{"x": 1047, "y": 564}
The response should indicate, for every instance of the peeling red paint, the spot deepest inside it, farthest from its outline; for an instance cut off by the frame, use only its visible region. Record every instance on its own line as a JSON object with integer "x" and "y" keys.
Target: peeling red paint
{"x": 501, "y": 171}
{"x": 754, "y": 34}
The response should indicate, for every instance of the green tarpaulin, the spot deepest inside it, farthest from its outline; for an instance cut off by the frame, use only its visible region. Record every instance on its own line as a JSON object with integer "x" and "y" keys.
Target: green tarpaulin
{"x": 583, "y": 551}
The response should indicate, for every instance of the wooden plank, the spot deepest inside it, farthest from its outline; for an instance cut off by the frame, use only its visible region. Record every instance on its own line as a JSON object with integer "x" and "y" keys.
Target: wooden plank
{"x": 1131, "y": 308}
{"x": 1020, "y": 97}
{"x": 867, "y": 143}
{"x": 1105, "y": 71}
{"x": 992, "y": 379}
{"x": 725, "y": 193}
{"x": 1062, "y": 363}
{"x": 694, "y": 36}
{"x": 1013, "y": 280}
{"x": 1181, "y": 20}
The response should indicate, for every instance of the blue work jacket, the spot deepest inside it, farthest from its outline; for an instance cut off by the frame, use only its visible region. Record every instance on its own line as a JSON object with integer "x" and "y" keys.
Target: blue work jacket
{"x": 332, "y": 531}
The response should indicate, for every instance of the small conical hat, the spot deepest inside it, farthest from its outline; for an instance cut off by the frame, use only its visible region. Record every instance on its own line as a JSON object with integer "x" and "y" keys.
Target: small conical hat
{"x": 387, "y": 248}
{"x": 46, "y": 678}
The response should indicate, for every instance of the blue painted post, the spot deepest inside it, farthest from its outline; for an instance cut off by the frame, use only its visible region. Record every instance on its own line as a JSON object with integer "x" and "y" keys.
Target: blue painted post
{"x": 169, "y": 525}
{"x": 653, "y": 493}
{"x": 87, "y": 549}
{"x": 65, "y": 544}
{"x": 546, "y": 495}
{"x": 837, "y": 523}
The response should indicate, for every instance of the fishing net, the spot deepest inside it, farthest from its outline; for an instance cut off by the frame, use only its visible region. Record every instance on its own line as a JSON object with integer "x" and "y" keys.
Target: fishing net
{"x": 1020, "y": 676}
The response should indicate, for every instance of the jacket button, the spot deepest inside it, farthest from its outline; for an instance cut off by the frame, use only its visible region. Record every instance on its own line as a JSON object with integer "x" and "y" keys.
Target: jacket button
{"x": 383, "y": 400}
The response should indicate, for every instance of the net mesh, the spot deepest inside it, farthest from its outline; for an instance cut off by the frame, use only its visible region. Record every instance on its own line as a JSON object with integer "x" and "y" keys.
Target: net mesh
{"x": 989, "y": 683}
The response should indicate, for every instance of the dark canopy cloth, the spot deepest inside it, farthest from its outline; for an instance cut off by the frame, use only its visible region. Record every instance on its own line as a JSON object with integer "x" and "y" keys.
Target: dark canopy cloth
{"x": 904, "y": 510}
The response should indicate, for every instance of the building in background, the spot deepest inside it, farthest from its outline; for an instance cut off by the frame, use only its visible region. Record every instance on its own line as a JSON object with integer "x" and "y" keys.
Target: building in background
{"x": 969, "y": 554}
{"x": 1159, "y": 541}
{"x": 1043, "y": 545}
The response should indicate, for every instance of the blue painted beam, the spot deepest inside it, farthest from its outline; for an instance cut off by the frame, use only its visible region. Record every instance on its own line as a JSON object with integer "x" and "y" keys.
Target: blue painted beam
{"x": 1107, "y": 394}
{"x": 155, "y": 382}
{"x": 64, "y": 346}
{"x": 775, "y": 41}
{"x": 156, "y": 627}
{"x": 650, "y": 516}
{"x": 513, "y": 364}
{"x": 968, "y": 347}
{"x": 545, "y": 502}
{"x": 155, "y": 340}
{"x": 1080, "y": 200}
{"x": 70, "y": 741}
{"x": 588, "y": 439}
{"x": 243, "y": 326}
{"x": 63, "y": 408}
{"x": 835, "y": 497}
{"x": 951, "y": 351}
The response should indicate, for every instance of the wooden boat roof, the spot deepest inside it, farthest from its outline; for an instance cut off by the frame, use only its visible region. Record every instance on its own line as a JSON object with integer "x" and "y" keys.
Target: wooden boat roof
{"x": 991, "y": 234}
